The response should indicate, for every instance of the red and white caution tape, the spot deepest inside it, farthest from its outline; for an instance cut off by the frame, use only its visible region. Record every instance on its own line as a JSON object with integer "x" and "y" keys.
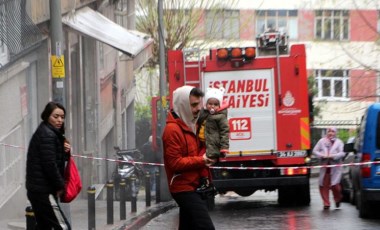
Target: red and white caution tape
{"x": 236, "y": 168}
{"x": 116, "y": 160}
{"x": 218, "y": 167}
{"x": 13, "y": 146}
{"x": 296, "y": 167}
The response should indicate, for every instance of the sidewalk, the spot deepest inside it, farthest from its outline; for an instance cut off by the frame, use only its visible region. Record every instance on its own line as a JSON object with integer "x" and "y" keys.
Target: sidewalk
{"x": 79, "y": 215}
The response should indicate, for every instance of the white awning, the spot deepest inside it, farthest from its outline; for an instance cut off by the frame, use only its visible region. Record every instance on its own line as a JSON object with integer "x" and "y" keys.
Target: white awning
{"x": 97, "y": 26}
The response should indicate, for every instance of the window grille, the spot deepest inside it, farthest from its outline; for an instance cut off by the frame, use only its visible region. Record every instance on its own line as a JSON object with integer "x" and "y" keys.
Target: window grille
{"x": 12, "y": 166}
{"x": 17, "y": 30}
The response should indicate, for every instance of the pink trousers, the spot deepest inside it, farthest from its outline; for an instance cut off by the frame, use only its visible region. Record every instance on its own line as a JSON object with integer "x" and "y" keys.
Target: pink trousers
{"x": 324, "y": 190}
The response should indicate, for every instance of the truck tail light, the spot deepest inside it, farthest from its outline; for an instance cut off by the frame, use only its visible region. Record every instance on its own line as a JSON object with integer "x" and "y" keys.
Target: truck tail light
{"x": 366, "y": 169}
{"x": 293, "y": 171}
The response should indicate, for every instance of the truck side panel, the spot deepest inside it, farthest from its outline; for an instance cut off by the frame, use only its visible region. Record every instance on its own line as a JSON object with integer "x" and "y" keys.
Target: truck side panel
{"x": 288, "y": 93}
{"x": 292, "y": 112}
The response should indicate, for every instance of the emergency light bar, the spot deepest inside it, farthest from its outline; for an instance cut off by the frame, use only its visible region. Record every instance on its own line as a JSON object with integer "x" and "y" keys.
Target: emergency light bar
{"x": 247, "y": 53}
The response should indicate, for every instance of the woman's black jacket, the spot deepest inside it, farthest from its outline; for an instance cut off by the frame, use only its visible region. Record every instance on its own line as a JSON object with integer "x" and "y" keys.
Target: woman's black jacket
{"x": 46, "y": 160}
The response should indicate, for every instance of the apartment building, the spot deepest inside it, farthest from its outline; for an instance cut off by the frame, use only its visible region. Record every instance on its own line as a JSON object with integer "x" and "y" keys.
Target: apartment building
{"x": 341, "y": 39}
{"x": 101, "y": 52}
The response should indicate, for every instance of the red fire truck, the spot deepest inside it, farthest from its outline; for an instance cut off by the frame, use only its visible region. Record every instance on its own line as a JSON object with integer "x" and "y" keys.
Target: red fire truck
{"x": 268, "y": 116}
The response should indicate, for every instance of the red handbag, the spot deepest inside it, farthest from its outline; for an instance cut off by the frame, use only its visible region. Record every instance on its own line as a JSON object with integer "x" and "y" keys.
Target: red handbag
{"x": 73, "y": 183}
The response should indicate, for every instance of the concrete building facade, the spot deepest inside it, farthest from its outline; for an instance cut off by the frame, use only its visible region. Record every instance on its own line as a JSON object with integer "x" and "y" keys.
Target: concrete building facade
{"x": 98, "y": 86}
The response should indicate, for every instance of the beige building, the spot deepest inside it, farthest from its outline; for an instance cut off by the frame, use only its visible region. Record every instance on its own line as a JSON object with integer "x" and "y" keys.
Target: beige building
{"x": 341, "y": 39}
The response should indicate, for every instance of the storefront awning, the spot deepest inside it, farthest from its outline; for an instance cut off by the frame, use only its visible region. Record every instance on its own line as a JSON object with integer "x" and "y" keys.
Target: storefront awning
{"x": 91, "y": 23}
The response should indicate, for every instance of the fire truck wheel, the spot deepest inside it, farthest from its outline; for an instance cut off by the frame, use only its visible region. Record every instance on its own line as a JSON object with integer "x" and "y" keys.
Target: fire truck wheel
{"x": 244, "y": 192}
{"x": 352, "y": 198}
{"x": 304, "y": 194}
{"x": 294, "y": 195}
{"x": 285, "y": 196}
{"x": 363, "y": 206}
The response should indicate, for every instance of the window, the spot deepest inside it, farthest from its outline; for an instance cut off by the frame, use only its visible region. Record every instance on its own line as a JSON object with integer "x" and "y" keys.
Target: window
{"x": 3, "y": 32}
{"x": 2, "y": 27}
{"x": 121, "y": 13}
{"x": 101, "y": 54}
{"x": 277, "y": 19}
{"x": 224, "y": 24}
{"x": 378, "y": 21}
{"x": 332, "y": 84}
{"x": 331, "y": 24}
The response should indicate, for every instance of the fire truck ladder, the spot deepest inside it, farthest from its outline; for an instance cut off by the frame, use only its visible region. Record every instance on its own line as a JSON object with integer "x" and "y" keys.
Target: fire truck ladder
{"x": 192, "y": 55}
{"x": 278, "y": 67}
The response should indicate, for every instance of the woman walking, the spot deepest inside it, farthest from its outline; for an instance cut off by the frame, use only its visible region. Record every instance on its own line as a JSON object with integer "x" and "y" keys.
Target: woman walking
{"x": 45, "y": 167}
{"x": 329, "y": 150}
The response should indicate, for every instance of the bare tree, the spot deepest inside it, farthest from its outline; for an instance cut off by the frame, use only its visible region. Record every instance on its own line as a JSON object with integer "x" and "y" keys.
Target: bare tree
{"x": 181, "y": 21}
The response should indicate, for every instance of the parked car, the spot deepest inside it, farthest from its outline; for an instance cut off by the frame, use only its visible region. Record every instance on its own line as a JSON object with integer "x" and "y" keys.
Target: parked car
{"x": 366, "y": 177}
{"x": 346, "y": 181}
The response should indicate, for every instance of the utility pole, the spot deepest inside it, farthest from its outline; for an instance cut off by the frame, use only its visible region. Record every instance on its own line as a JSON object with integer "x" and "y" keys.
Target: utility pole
{"x": 161, "y": 38}
{"x": 165, "y": 195}
{"x": 57, "y": 58}
{"x": 58, "y": 66}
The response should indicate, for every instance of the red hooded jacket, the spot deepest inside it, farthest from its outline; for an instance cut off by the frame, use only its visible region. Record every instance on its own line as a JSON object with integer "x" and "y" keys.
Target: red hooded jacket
{"x": 183, "y": 160}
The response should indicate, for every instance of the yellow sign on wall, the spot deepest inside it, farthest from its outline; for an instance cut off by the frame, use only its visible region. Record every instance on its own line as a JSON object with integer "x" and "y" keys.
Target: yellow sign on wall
{"x": 57, "y": 66}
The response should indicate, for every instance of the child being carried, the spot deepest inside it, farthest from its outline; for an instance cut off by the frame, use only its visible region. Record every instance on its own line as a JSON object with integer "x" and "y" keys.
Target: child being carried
{"x": 213, "y": 131}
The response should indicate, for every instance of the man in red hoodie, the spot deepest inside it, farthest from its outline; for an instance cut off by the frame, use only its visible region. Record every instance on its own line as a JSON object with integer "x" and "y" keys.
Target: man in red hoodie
{"x": 182, "y": 158}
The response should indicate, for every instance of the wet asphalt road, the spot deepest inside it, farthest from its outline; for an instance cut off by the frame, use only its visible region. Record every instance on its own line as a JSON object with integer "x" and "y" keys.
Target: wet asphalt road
{"x": 261, "y": 211}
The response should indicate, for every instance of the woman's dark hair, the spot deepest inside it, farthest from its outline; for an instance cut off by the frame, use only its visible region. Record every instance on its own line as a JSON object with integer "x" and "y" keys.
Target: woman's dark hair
{"x": 49, "y": 108}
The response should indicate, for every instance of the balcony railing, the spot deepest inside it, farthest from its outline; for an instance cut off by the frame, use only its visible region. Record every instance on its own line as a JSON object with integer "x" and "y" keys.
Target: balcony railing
{"x": 12, "y": 165}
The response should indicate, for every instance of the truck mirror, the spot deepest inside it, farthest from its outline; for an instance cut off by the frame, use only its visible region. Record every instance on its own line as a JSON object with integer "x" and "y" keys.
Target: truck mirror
{"x": 349, "y": 147}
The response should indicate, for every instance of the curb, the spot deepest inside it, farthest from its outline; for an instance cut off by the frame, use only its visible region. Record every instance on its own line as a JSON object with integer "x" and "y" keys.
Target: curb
{"x": 142, "y": 219}
{"x": 134, "y": 223}
{"x": 17, "y": 225}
